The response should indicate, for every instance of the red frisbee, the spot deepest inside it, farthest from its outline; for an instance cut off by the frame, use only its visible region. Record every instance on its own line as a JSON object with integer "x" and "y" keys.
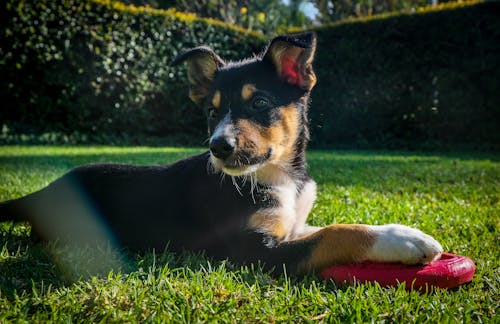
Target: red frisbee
{"x": 448, "y": 272}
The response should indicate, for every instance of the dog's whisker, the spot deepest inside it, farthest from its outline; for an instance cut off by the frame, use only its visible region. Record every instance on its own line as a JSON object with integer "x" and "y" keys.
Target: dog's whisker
{"x": 222, "y": 177}
{"x": 233, "y": 179}
{"x": 253, "y": 184}
{"x": 211, "y": 169}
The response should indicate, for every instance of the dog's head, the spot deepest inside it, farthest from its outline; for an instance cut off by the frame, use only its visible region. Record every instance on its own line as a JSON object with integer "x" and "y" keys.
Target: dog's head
{"x": 256, "y": 108}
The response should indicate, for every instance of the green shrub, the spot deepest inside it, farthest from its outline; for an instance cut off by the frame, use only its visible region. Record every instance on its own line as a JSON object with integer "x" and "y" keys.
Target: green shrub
{"x": 97, "y": 71}
{"x": 414, "y": 80}
{"x": 100, "y": 67}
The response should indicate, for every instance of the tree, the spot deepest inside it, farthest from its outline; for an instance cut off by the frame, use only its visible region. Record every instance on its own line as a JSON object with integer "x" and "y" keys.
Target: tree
{"x": 331, "y": 10}
{"x": 267, "y": 16}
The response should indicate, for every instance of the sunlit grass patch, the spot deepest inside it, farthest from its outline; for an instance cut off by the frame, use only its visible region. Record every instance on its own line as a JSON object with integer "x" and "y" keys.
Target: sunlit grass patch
{"x": 454, "y": 197}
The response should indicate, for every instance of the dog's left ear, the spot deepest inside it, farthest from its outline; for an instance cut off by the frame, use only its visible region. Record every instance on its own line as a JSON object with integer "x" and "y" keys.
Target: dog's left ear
{"x": 203, "y": 65}
{"x": 292, "y": 55}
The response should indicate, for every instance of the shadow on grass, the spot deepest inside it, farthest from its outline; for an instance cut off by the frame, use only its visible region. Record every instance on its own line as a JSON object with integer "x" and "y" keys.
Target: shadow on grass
{"x": 27, "y": 266}
{"x": 40, "y": 268}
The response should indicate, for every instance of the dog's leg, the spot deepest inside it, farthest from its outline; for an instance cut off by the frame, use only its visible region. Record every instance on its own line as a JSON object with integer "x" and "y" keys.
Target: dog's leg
{"x": 337, "y": 244}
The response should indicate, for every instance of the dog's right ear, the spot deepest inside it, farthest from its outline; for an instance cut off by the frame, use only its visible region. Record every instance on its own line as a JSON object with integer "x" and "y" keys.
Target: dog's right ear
{"x": 292, "y": 56}
{"x": 203, "y": 65}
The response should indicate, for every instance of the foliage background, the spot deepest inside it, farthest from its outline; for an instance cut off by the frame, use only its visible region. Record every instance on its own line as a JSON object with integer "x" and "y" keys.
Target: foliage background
{"x": 96, "y": 68}
{"x": 97, "y": 71}
{"x": 415, "y": 81}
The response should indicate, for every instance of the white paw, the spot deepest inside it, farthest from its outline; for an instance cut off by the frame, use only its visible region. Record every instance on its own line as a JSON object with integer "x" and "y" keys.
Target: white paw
{"x": 399, "y": 243}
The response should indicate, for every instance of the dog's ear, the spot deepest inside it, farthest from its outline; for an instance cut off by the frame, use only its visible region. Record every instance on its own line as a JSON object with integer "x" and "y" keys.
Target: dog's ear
{"x": 292, "y": 55}
{"x": 203, "y": 64}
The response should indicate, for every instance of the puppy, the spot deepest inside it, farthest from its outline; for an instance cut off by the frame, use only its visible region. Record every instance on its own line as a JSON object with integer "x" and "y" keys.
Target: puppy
{"x": 246, "y": 199}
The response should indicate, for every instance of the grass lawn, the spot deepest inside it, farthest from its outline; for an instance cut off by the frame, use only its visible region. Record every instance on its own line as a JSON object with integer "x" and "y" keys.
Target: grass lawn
{"x": 452, "y": 196}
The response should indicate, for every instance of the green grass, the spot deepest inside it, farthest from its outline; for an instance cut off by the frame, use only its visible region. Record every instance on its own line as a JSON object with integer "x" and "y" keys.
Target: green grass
{"x": 452, "y": 196}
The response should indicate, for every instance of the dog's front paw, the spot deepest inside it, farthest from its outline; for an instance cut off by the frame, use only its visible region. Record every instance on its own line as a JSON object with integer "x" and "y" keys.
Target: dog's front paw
{"x": 398, "y": 243}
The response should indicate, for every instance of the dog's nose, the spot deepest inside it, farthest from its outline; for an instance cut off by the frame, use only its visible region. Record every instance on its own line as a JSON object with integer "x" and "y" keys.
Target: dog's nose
{"x": 222, "y": 147}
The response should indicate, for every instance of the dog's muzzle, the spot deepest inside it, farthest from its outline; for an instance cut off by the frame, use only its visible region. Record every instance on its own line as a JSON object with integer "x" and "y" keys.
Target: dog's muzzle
{"x": 227, "y": 156}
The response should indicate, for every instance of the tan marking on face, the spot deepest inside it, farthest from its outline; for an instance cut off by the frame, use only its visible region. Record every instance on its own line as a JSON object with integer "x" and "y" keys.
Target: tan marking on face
{"x": 247, "y": 91}
{"x": 339, "y": 244}
{"x": 216, "y": 99}
{"x": 283, "y": 134}
{"x": 280, "y": 138}
{"x": 250, "y": 139}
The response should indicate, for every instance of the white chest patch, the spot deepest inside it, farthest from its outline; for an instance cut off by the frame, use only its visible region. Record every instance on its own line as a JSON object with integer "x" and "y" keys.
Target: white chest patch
{"x": 303, "y": 206}
{"x": 287, "y": 221}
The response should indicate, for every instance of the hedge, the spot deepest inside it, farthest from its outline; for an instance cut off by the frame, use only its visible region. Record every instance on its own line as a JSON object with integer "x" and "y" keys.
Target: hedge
{"x": 426, "y": 80}
{"x": 100, "y": 67}
{"x": 95, "y": 69}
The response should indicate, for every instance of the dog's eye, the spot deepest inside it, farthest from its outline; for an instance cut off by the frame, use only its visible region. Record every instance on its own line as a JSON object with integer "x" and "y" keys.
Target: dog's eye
{"x": 212, "y": 113}
{"x": 260, "y": 103}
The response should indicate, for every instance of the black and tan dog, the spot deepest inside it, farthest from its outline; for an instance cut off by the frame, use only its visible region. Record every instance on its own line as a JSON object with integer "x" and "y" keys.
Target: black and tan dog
{"x": 246, "y": 200}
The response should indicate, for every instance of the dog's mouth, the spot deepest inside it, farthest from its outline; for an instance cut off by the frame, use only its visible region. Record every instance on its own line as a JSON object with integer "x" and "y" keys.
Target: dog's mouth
{"x": 241, "y": 163}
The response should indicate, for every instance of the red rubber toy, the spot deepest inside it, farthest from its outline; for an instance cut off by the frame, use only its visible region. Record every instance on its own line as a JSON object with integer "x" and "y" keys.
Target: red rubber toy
{"x": 448, "y": 272}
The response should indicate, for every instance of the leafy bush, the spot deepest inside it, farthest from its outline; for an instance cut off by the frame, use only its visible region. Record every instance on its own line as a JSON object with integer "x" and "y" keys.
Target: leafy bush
{"x": 416, "y": 80}
{"x": 97, "y": 71}
{"x": 72, "y": 66}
